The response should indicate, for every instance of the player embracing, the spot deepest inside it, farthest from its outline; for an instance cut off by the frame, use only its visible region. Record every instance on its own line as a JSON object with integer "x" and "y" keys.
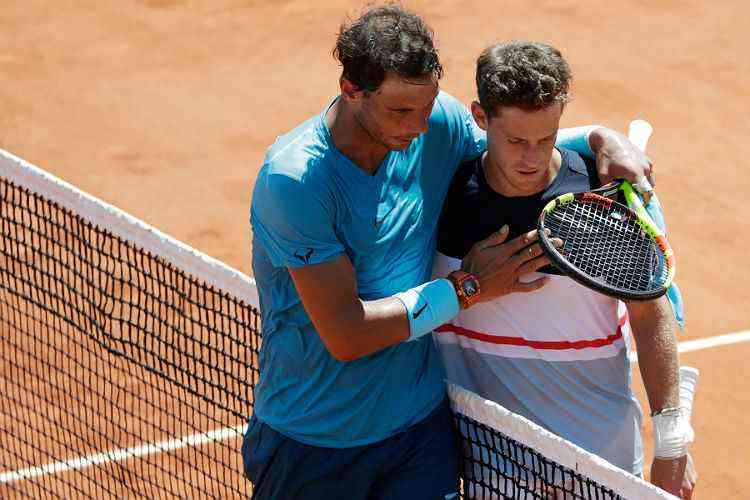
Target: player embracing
{"x": 351, "y": 398}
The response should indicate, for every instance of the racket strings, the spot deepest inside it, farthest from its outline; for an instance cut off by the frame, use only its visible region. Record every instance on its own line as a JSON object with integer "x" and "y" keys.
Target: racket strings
{"x": 607, "y": 243}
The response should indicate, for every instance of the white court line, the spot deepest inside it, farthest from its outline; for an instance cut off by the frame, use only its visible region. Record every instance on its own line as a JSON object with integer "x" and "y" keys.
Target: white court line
{"x": 231, "y": 432}
{"x": 706, "y": 343}
{"x": 124, "y": 454}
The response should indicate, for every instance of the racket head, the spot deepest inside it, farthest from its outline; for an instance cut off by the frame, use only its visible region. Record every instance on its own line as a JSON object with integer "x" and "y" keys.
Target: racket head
{"x": 606, "y": 246}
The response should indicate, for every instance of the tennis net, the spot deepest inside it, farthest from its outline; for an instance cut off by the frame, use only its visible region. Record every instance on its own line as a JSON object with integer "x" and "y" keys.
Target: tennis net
{"x": 128, "y": 362}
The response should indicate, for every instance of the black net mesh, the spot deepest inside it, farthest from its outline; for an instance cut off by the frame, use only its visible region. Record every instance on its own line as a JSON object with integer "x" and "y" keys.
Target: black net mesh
{"x": 105, "y": 347}
{"x": 494, "y": 466}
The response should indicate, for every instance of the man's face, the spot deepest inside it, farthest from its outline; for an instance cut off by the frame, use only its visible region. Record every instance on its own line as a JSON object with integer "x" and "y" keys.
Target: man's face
{"x": 397, "y": 112}
{"x": 520, "y": 145}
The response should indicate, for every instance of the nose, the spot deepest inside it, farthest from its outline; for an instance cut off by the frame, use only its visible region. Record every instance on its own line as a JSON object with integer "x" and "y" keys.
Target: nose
{"x": 533, "y": 155}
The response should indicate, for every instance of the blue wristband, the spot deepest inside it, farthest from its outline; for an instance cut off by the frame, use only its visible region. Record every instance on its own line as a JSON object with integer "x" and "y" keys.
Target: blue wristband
{"x": 429, "y": 306}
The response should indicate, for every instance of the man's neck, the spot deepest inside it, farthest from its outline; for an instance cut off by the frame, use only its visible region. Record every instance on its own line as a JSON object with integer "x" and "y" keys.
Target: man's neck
{"x": 352, "y": 140}
{"x": 501, "y": 185}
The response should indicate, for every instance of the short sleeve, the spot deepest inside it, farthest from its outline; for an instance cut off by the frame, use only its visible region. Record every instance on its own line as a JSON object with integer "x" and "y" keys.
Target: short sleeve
{"x": 577, "y": 139}
{"x": 294, "y": 221}
{"x": 468, "y": 139}
{"x": 474, "y": 138}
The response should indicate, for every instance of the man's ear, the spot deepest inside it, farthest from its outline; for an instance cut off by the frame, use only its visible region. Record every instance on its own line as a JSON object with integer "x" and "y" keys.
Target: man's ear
{"x": 479, "y": 115}
{"x": 349, "y": 91}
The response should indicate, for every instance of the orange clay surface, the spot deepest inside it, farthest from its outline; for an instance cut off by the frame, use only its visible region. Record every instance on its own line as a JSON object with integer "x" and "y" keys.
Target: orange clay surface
{"x": 165, "y": 107}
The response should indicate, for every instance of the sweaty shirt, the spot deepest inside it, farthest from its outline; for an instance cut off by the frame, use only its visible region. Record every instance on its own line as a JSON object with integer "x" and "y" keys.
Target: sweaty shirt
{"x": 557, "y": 356}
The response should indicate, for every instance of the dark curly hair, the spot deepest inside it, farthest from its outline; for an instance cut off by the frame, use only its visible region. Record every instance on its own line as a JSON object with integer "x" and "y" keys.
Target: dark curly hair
{"x": 386, "y": 38}
{"x": 524, "y": 75}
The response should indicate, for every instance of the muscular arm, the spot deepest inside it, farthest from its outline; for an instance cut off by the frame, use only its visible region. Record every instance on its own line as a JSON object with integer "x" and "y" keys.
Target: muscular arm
{"x": 654, "y": 331}
{"x": 349, "y": 326}
{"x": 352, "y": 328}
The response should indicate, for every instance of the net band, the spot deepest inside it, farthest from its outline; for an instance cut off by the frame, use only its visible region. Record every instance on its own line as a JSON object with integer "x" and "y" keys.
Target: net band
{"x": 127, "y": 227}
{"x": 533, "y": 452}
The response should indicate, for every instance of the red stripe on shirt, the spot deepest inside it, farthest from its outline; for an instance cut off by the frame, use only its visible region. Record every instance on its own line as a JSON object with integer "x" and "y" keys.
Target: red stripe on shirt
{"x": 535, "y": 344}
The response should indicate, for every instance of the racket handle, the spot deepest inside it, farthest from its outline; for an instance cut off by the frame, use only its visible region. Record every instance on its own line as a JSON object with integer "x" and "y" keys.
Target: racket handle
{"x": 639, "y": 132}
{"x": 688, "y": 383}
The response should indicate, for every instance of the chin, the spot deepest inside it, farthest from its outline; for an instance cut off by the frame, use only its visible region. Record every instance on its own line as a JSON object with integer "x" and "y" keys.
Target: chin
{"x": 399, "y": 145}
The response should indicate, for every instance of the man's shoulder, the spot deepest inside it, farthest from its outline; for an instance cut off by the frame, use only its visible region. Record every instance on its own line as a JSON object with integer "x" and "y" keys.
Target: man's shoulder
{"x": 457, "y": 232}
{"x": 448, "y": 102}
{"x": 465, "y": 182}
{"x": 295, "y": 169}
{"x": 296, "y": 152}
{"x": 578, "y": 163}
{"x": 448, "y": 110}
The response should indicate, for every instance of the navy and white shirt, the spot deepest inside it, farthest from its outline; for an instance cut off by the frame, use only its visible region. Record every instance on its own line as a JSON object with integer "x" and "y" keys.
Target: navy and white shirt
{"x": 558, "y": 355}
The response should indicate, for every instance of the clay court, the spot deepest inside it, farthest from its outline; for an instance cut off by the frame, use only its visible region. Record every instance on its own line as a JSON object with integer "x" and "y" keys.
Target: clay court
{"x": 164, "y": 108}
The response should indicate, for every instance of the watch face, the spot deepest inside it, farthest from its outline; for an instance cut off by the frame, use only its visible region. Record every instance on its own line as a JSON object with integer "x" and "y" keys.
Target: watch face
{"x": 469, "y": 287}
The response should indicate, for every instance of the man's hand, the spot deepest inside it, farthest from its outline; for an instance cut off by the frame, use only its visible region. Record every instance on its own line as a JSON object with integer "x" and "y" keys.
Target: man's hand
{"x": 618, "y": 158}
{"x": 498, "y": 265}
{"x": 688, "y": 482}
{"x": 668, "y": 475}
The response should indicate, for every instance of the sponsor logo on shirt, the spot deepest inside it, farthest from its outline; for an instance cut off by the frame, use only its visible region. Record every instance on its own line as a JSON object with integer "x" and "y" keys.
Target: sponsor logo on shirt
{"x": 379, "y": 221}
{"x": 420, "y": 311}
{"x": 304, "y": 257}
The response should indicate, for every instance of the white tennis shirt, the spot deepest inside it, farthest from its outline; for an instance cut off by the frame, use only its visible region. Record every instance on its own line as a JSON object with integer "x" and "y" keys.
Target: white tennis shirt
{"x": 557, "y": 356}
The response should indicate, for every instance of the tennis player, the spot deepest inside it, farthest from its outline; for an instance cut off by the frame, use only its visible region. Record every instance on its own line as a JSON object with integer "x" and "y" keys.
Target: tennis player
{"x": 557, "y": 355}
{"x": 351, "y": 399}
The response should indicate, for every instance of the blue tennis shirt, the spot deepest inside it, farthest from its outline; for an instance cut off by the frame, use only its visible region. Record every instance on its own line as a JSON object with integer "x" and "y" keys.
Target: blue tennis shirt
{"x": 310, "y": 205}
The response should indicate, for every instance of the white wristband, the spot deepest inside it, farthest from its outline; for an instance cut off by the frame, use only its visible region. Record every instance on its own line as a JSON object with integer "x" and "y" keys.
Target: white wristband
{"x": 672, "y": 433}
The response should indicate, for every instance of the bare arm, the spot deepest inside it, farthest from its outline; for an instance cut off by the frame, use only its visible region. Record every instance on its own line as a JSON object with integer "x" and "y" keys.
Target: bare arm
{"x": 352, "y": 328}
{"x": 654, "y": 330}
{"x": 349, "y": 327}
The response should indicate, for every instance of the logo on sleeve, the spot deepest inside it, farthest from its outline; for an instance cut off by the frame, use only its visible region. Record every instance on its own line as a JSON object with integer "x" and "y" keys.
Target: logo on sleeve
{"x": 420, "y": 311}
{"x": 304, "y": 257}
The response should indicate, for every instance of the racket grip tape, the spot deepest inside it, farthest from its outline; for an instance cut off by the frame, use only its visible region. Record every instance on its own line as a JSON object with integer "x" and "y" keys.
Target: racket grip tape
{"x": 639, "y": 132}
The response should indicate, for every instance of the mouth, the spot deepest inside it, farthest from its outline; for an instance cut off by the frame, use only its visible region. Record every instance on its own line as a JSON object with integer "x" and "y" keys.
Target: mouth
{"x": 527, "y": 173}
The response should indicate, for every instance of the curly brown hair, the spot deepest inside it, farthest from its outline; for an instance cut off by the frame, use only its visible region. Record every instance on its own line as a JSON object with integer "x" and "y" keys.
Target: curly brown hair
{"x": 526, "y": 75}
{"x": 386, "y": 38}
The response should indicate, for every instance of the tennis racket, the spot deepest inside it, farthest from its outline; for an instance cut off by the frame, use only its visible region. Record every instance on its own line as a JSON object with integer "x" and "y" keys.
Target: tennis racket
{"x": 609, "y": 247}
